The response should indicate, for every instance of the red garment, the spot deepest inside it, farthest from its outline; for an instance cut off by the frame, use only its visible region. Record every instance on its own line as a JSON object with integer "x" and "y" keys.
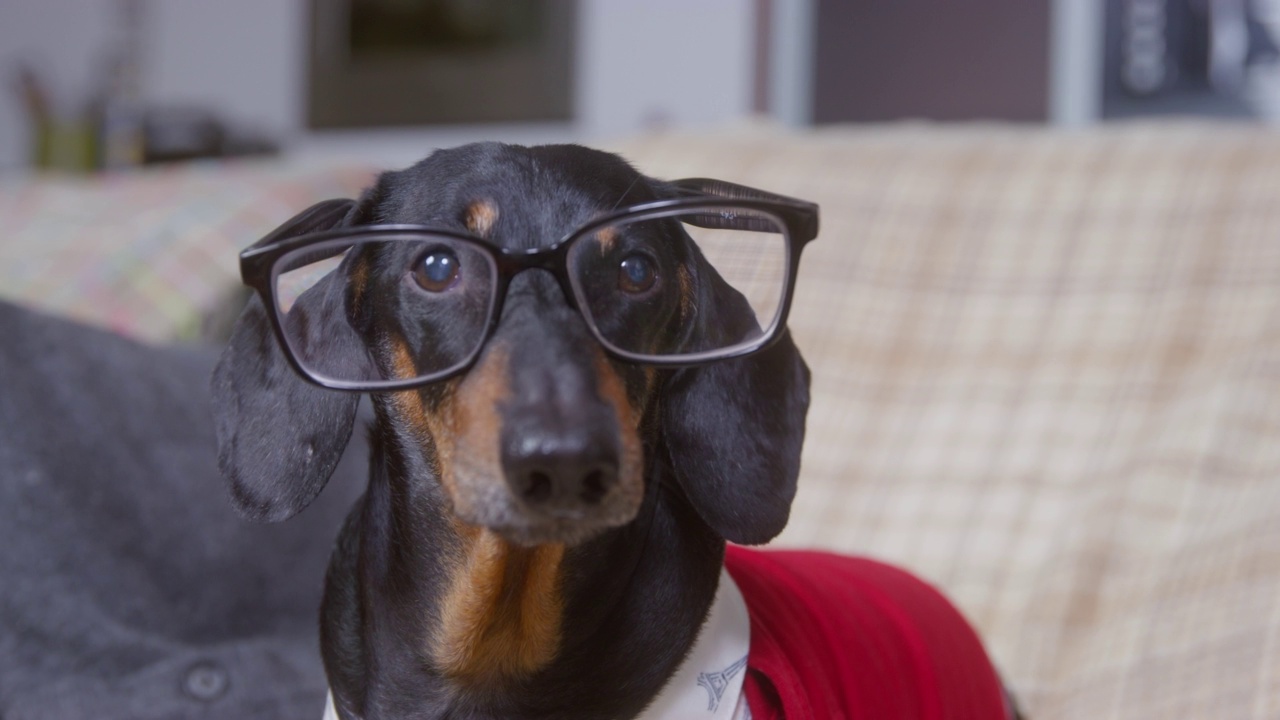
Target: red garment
{"x": 844, "y": 637}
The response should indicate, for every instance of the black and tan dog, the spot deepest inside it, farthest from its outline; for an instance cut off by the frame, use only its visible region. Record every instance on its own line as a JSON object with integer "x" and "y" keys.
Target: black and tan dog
{"x": 542, "y": 535}
{"x": 547, "y": 512}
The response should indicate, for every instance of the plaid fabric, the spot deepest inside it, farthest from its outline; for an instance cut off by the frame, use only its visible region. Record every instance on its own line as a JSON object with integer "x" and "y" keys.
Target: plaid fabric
{"x": 153, "y": 253}
{"x": 1047, "y": 377}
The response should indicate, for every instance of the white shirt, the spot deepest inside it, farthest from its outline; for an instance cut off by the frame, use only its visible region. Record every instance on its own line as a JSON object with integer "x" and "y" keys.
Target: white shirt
{"x": 708, "y": 684}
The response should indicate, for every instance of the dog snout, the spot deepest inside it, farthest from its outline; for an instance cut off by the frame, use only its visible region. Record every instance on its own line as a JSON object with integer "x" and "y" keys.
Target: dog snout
{"x": 560, "y": 470}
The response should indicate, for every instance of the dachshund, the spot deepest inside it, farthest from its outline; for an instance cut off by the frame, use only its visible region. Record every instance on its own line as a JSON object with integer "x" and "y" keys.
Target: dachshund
{"x": 573, "y": 413}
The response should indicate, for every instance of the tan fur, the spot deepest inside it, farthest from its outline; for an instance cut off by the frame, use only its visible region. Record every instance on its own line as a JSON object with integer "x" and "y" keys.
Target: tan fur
{"x": 480, "y": 217}
{"x": 473, "y": 425}
{"x": 427, "y": 428}
{"x": 501, "y": 617}
{"x": 359, "y": 282}
{"x": 685, "y": 285}
{"x": 614, "y": 391}
{"x": 408, "y": 403}
{"x": 607, "y": 237}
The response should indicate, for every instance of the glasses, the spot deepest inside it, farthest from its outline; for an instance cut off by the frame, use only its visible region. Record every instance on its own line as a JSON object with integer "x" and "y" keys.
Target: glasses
{"x": 633, "y": 275}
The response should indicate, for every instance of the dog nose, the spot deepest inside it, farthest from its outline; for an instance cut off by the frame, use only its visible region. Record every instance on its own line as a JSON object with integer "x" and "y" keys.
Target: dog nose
{"x": 560, "y": 471}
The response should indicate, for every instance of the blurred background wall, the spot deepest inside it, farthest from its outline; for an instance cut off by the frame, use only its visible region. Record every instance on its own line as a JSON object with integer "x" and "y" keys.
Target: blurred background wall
{"x": 637, "y": 64}
{"x": 256, "y": 73}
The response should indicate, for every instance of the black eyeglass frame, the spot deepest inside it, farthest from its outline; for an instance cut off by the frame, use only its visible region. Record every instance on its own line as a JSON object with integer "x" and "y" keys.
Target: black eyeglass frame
{"x": 259, "y": 266}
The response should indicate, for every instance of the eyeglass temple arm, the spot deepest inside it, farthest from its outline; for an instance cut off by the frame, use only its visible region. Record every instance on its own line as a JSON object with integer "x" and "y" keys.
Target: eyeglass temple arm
{"x": 803, "y": 213}
{"x": 321, "y": 216}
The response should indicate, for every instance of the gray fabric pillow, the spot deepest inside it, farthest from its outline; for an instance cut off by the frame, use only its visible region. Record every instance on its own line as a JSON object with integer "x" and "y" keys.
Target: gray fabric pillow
{"x": 128, "y": 586}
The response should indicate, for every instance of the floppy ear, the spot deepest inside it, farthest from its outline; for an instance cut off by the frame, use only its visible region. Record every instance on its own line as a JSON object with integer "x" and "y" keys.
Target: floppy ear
{"x": 279, "y": 436}
{"x": 734, "y": 428}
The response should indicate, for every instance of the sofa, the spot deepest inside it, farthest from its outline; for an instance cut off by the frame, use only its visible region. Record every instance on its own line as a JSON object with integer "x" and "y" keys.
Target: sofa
{"x": 1046, "y": 369}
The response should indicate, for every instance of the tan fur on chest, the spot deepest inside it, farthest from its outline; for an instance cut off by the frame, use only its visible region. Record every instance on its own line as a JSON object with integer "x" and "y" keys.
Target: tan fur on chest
{"x": 501, "y": 616}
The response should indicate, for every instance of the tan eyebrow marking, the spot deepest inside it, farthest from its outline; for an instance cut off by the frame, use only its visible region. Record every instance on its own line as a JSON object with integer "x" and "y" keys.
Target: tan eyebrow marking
{"x": 607, "y": 236}
{"x": 480, "y": 217}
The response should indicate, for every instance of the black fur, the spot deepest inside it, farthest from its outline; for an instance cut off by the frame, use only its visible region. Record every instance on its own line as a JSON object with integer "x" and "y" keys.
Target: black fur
{"x": 279, "y": 437}
{"x": 721, "y": 451}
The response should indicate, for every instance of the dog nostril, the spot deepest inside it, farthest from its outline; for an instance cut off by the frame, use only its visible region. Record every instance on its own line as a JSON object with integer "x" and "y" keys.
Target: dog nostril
{"x": 568, "y": 471}
{"x": 594, "y": 487}
{"x": 537, "y": 487}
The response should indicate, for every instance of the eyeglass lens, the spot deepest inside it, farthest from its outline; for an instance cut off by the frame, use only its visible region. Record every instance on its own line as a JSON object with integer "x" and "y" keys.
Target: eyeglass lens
{"x": 433, "y": 295}
{"x": 644, "y": 299}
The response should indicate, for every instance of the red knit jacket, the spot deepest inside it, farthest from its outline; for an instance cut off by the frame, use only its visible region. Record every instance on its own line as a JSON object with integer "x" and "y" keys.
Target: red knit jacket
{"x": 843, "y": 637}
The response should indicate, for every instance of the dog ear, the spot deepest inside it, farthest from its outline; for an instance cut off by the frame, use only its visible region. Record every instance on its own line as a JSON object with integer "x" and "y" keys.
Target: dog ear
{"x": 279, "y": 436}
{"x": 734, "y": 428}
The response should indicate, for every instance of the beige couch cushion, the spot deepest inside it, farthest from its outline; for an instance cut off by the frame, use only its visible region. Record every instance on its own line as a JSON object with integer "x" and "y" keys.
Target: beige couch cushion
{"x": 1047, "y": 377}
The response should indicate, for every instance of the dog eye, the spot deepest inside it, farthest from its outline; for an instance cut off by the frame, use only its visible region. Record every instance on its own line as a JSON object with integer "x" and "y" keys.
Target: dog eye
{"x": 636, "y": 274}
{"x": 437, "y": 271}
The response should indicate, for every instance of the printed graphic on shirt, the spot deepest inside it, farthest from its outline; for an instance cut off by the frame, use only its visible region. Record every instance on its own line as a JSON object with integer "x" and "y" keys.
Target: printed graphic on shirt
{"x": 716, "y": 682}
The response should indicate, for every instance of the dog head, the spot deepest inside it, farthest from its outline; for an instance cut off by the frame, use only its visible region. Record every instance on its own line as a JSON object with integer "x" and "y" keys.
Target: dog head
{"x": 544, "y": 436}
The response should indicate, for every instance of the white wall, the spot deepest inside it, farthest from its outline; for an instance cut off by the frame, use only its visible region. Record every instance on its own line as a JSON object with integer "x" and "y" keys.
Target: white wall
{"x": 246, "y": 58}
{"x": 62, "y": 39}
{"x": 645, "y": 63}
{"x": 641, "y": 63}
